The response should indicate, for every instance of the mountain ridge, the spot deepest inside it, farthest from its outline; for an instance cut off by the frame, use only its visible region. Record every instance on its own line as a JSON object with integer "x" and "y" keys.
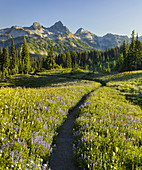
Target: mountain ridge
{"x": 58, "y": 36}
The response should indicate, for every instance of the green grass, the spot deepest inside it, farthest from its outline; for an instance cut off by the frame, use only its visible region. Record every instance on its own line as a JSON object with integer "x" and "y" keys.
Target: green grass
{"x": 108, "y": 129}
{"x": 128, "y": 83}
{"x": 108, "y": 132}
{"x": 30, "y": 118}
{"x": 44, "y": 79}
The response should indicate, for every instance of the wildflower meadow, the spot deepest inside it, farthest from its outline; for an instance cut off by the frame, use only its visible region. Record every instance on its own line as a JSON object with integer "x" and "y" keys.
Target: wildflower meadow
{"x": 108, "y": 128}
{"x": 30, "y": 120}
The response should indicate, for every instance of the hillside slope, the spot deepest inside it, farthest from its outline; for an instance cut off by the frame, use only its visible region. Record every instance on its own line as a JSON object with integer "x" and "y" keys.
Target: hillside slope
{"x": 58, "y": 36}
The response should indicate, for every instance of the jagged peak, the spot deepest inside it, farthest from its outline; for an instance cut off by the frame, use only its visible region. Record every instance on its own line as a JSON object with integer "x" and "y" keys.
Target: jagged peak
{"x": 36, "y": 25}
{"x": 59, "y": 27}
{"x": 59, "y": 23}
{"x": 81, "y": 30}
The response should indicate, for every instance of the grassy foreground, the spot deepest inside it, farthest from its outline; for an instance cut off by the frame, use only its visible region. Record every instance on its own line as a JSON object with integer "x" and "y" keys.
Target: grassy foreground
{"x": 30, "y": 119}
{"x": 107, "y": 132}
{"x": 108, "y": 129}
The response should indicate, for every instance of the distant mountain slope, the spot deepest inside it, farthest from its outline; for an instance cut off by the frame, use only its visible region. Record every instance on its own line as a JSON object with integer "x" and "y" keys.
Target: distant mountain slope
{"x": 107, "y": 41}
{"x": 58, "y": 36}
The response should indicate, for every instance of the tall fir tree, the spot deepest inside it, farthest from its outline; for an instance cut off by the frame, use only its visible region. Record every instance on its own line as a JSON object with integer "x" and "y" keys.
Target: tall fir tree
{"x": 50, "y": 60}
{"x": 131, "y": 54}
{"x": 63, "y": 59}
{"x": 6, "y": 60}
{"x": 79, "y": 57}
{"x": 20, "y": 68}
{"x": 114, "y": 66}
{"x": 68, "y": 60}
{"x": 86, "y": 57}
{"x": 125, "y": 60}
{"x": 17, "y": 61}
{"x": 25, "y": 57}
{"x": 13, "y": 57}
{"x": 74, "y": 58}
{"x": 1, "y": 58}
{"x": 138, "y": 55}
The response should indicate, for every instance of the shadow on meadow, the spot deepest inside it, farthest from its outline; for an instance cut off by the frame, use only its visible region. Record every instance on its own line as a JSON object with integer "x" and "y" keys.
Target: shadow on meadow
{"x": 135, "y": 99}
{"x": 34, "y": 82}
{"x": 41, "y": 80}
{"x": 104, "y": 78}
{"x": 57, "y": 78}
{"x": 115, "y": 76}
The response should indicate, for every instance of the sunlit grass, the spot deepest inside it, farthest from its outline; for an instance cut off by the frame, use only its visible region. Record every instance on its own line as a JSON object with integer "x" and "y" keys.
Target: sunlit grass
{"x": 30, "y": 119}
{"x": 108, "y": 132}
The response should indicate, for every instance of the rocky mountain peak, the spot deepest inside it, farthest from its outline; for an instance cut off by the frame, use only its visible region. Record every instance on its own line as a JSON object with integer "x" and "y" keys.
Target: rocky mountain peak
{"x": 60, "y": 32}
{"x": 81, "y": 31}
{"x": 59, "y": 24}
{"x": 58, "y": 27}
{"x": 36, "y": 25}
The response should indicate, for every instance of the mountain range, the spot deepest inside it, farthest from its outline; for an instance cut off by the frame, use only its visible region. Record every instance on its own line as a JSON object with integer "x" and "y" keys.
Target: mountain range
{"x": 40, "y": 39}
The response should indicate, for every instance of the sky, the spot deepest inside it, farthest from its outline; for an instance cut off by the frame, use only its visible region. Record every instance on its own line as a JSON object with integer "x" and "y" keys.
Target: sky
{"x": 97, "y": 16}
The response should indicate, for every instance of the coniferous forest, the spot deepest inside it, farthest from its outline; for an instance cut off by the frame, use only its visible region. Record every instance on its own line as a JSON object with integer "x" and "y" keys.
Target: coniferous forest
{"x": 127, "y": 57}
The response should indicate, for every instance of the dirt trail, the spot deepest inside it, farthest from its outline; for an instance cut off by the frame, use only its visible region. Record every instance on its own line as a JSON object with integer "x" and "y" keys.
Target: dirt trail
{"x": 62, "y": 158}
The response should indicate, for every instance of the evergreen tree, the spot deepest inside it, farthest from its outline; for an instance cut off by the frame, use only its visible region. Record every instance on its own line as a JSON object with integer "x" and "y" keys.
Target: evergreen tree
{"x": 108, "y": 58}
{"x": 131, "y": 54}
{"x": 74, "y": 58}
{"x": 95, "y": 54}
{"x": 44, "y": 63}
{"x": 17, "y": 62}
{"x": 79, "y": 58}
{"x": 100, "y": 67}
{"x": 114, "y": 66}
{"x": 63, "y": 59}
{"x": 58, "y": 59}
{"x": 68, "y": 60}
{"x": 86, "y": 57}
{"x": 108, "y": 67}
{"x": 25, "y": 57}
{"x": 124, "y": 51}
{"x": 90, "y": 63}
{"x": 112, "y": 53}
{"x": 120, "y": 62}
{"x": 50, "y": 60}
{"x": 6, "y": 61}
{"x": 13, "y": 57}
{"x": 103, "y": 58}
{"x": 138, "y": 55}
{"x": 1, "y": 59}
{"x": 1, "y": 51}
{"x": 20, "y": 65}
{"x": 82, "y": 61}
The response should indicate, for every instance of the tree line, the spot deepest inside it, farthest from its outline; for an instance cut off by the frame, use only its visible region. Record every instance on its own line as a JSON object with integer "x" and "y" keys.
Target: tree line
{"x": 124, "y": 58}
{"x": 130, "y": 57}
{"x": 127, "y": 57}
{"x": 96, "y": 60}
{"x": 14, "y": 61}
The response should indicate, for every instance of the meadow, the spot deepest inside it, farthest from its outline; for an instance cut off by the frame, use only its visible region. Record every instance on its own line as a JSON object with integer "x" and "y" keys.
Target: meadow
{"x": 108, "y": 128}
{"x": 30, "y": 120}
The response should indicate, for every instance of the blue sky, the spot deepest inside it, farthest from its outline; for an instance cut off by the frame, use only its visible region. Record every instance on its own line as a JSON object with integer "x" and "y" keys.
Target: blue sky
{"x": 97, "y": 16}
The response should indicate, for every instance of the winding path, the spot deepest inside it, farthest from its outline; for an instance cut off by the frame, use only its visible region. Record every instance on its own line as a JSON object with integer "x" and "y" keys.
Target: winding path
{"x": 62, "y": 158}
